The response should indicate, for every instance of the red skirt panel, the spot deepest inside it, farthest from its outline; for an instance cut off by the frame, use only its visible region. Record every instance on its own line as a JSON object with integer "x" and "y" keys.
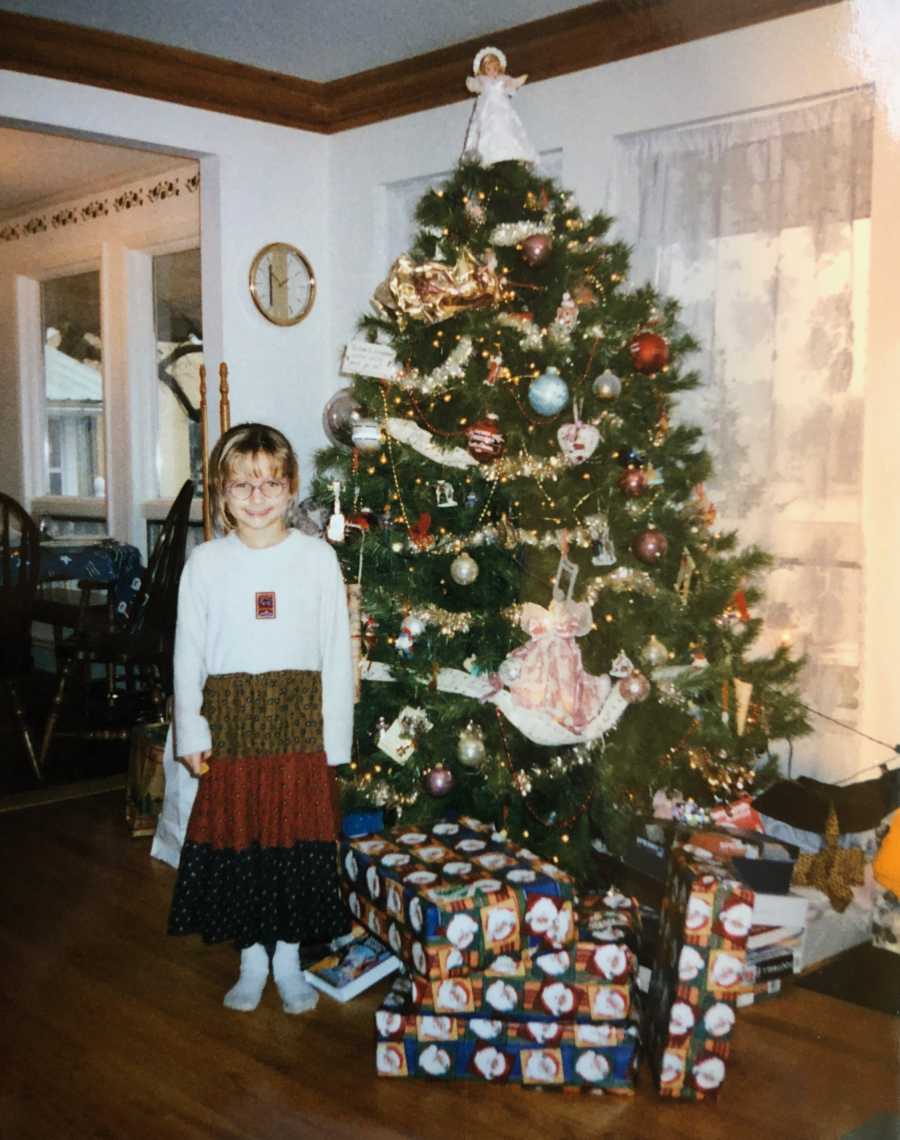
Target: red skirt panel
{"x": 275, "y": 801}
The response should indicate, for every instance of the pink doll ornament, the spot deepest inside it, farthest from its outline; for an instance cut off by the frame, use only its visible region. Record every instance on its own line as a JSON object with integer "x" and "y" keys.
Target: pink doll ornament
{"x": 495, "y": 132}
{"x": 547, "y": 672}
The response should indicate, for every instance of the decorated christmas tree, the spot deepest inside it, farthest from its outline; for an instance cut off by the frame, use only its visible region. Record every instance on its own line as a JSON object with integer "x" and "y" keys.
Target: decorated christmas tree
{"x": 551, "y": 628}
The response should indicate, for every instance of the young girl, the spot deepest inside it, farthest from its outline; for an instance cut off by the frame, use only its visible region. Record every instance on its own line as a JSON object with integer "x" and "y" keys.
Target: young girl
{"x": 263, "y": 711}
{"x": 495, "y": 131}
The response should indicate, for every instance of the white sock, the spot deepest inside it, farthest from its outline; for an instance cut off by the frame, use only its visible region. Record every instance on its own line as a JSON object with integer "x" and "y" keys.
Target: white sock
{"x": 297, "y": 995}
{"x": 244, "y": 995}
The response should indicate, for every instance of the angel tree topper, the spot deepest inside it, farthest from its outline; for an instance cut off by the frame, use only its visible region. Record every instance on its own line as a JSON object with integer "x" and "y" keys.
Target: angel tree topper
{"x": 495, "y": 132}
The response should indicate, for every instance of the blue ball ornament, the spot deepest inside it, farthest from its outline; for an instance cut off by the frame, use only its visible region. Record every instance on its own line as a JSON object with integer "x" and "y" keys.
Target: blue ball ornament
{"x": 548, "y": 393}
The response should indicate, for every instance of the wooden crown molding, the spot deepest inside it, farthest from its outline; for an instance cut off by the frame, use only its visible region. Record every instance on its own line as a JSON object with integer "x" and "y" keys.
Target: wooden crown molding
{"x": 584, "y": 37}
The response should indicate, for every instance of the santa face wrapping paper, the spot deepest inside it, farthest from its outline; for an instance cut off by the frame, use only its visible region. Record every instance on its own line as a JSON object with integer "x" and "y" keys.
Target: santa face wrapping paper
{"x": 457, "y": 897}
{"x": 706, "y": 917}
{"x": 495, "y": 1049}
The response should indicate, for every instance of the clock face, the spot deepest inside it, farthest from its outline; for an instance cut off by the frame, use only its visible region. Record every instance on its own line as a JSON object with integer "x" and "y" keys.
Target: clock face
{"x": 282, "y": 283}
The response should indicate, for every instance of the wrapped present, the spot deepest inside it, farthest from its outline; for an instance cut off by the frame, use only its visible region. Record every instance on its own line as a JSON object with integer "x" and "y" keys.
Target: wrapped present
{"x": 518, "y": 995}
{"x": 545, "y": 1053}
{"x": 699, "y": 973}
{"x": 146, "y": 788}
{"x": 456, "y": 898}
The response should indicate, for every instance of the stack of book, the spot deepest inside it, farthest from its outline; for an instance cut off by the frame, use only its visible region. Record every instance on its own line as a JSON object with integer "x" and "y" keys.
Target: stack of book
{"x": 349, "y": 965}
{"x": 774, "y": 945}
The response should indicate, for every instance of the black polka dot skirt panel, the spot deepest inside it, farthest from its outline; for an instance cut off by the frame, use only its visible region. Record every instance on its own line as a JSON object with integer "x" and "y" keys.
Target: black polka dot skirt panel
{"x": 259, "y": 894}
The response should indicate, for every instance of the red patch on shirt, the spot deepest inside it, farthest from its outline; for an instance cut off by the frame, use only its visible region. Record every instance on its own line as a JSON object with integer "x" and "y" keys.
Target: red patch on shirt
{"x": 265, "y": 604}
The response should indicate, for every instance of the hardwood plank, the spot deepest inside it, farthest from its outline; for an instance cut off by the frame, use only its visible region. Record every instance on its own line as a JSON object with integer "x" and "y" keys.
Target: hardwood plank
{"x": 113, "y": 1029}
{"x": 588, "y": 36}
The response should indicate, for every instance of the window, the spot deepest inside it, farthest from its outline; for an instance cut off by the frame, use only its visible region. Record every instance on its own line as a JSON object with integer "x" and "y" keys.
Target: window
{"x": 759, "y": 226}
{"x": 73, "y": 422}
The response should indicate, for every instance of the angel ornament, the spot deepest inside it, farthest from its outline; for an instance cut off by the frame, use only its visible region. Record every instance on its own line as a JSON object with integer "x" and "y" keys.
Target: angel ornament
{"x": 495, "y": 132}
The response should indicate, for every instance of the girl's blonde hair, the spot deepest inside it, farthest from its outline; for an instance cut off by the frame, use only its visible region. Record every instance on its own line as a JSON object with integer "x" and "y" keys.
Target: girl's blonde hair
{"x": 242, "y": 442}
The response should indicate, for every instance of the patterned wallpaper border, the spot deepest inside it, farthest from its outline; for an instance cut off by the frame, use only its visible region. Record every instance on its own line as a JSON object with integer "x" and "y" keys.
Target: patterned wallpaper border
{"x": 135, "y": 196}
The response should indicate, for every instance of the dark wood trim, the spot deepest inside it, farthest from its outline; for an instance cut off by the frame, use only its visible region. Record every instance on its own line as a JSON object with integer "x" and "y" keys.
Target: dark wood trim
{"x": 140, "y": 67}
{"x": 584, "y": 37}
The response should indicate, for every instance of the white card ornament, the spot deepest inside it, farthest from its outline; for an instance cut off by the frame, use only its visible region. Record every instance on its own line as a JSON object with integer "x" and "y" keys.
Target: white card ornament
{"x": 399, "y": 740}
{"x": 443, "y": 493}
{"x": 578, "y": 441}
{"x": 564, "y": 579}
{"x": 605, "y": 553}
{"x": 364, "y": 359}
{"x": 337, "y": 523}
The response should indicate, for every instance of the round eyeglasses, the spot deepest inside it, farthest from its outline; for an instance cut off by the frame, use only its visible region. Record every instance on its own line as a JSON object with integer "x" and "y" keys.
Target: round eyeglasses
{"x": 268, "y": 488}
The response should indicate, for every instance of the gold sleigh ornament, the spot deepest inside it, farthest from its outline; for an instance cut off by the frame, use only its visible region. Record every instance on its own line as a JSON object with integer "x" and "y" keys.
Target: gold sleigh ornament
{"x": 432, "y": 291}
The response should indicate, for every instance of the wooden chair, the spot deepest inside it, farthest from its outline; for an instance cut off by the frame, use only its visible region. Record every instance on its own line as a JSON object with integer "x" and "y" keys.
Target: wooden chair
{"x": 19, "y": 568}
{"x": 144, "y": 645}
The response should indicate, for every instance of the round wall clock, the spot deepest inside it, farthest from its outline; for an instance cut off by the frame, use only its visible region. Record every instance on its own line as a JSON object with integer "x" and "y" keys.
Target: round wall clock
{"x": 282, "y": 283}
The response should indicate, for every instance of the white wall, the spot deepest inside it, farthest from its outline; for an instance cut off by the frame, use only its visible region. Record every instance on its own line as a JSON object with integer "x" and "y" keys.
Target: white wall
{"x": 773, "y": 63}
{"x": 259, "y": 183}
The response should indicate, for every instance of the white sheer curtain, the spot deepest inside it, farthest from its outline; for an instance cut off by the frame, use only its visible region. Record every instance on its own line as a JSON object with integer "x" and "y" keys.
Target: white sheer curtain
{"x": 759, "y": 225}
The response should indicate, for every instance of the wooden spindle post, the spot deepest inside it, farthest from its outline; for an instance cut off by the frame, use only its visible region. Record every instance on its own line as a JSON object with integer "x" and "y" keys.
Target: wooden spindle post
{"x": 204, "y": 458}
{"x": 224, "y": 403}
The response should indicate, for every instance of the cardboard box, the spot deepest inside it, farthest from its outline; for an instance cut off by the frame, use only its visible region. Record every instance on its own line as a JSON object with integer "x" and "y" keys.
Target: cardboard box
{"x": 456, "y": 897}
{"x": 146, "y": 784}
{"x": 539, "y": 1053}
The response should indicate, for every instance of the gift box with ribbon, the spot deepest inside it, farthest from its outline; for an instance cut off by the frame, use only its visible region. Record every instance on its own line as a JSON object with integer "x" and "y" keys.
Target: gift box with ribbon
{"x": 456, "y": 897}
{"x": 706, "y": 916}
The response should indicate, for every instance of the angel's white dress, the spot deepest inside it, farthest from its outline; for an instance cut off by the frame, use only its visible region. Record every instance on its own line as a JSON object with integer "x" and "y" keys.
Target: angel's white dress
{"x": 495, "y": 132}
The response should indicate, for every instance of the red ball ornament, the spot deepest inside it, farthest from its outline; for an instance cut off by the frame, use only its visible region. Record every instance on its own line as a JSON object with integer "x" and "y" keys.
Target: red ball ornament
{"x": 439, "y": 781}
{"x": 634, "y": 688}
{"x": 536, "y": 249}
{"x": 649, "y": 352}
{"x": 485, "y": 439}
{"x": 633, "y": 483}
{"x": 650, "y": 546}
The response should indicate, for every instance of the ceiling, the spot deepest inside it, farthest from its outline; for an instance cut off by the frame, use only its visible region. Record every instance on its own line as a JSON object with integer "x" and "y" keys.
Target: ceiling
{"x": 317, "y": 40}
{"x": 41, "y": 169}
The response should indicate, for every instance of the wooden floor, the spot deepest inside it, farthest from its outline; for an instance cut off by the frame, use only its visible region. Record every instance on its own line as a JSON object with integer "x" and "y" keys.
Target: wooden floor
{"x": 112, "y": 1030}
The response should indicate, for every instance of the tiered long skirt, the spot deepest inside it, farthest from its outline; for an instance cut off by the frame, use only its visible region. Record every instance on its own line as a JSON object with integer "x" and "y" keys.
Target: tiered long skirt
{"x": 259, "y": 862}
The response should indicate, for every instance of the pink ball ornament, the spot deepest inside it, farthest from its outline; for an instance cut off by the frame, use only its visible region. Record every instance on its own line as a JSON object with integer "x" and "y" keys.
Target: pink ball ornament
{"x": 633, "y": 483}
{"x": 650, "y": 546}
{"x": 536, "y": 249}
{"x": 439, "y": 781}
{"x": 634, "y": 688}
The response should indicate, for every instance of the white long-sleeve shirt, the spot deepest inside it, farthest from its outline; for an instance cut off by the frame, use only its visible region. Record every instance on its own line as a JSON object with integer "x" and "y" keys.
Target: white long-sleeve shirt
{"x": 224, "y": 626}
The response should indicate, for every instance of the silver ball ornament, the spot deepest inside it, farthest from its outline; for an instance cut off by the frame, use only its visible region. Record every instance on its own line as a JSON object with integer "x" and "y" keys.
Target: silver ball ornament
{"x": 470, "y": 748}
{"x": 464, "y": 569}
{"x": 607, "y": 386}
{"x": 341, "y": 413}
{"x": 654, "y": 653}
